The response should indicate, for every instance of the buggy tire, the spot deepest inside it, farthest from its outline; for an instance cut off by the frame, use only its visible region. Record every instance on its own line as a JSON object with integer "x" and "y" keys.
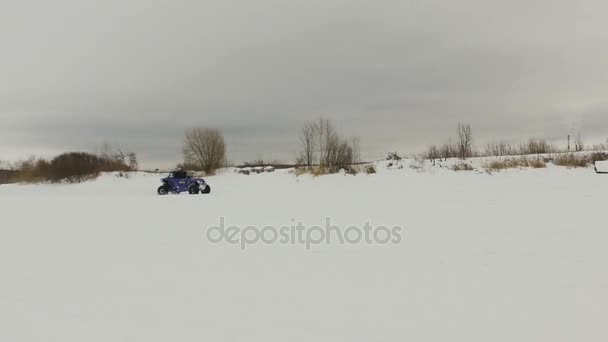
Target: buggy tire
{"x": 193, "y": 190}
{"x": 206, "y": 190}
{"x": 162, "y": 190}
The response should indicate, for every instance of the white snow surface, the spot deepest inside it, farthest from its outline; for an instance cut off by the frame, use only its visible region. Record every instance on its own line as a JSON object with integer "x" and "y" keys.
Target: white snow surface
{"x": 520, "y": 255}
{"x": 601, "y": 166}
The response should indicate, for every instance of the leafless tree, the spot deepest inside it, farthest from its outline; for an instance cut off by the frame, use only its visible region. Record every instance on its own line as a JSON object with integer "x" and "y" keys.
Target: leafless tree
{"x": 465, "y": 140}
{"x": 447, "y": 151}
{"x": 536, "y": 146}
{"x": 320, "y": 142}
{"x": 433, "y": 153}
{"x": 120, "y": 157}
{"x": 499, "y": 149}
{"x": 339, "y": 154}
{"x": 205, "y": 148}
{"x": 133, "y": 164}
{"x": 327, "y": 137}
{"x": 308, "y": 139}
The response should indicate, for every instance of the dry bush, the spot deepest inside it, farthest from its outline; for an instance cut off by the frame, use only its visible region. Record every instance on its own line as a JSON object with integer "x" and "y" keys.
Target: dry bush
{"x": 370, "y": 169}
{"x": 571, "y": 160}
{"x": 462, "y": 166}
{"x": 510, "y": 163}
{"x": 314, "y": 170}
{"x": 8, "y": 176}
{"x": 205, "y": 148}
{"x": 80, "y": 166}
{"x": 598, "y": 156}
{"x": 71, "y": 167}
{"x": 393, "y": 156}
{"x": 319, "y": 170}
{"x": 538, "y": 164}
{"x": 299, "y": 171}
{"x": 32, "y": 169}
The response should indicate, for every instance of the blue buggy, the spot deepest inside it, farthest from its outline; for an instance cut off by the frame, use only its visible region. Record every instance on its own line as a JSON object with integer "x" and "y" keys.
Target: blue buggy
{"x": 179, "y": 181}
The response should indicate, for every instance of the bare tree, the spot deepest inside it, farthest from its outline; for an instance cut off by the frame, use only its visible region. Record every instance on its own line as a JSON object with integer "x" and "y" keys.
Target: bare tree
{"x": 120, "y": 157}
{"x": 447, "y": 151}
{"x": 205, "y": 148}
{"x": 133, "y": 164}
{"x": 308, "y": 139}
{"x": 433, "y": 153}
{"x": 534, "y": 146}
{"x": 465, "y": 140}
{"x": 339, "y": 154}
{"x": 327, "y": 137}
{"x": 499, "y": 149}
{"x": 322, "y": 143}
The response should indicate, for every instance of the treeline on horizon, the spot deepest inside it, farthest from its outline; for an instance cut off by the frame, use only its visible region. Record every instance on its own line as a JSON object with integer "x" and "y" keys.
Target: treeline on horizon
{"x": 322, "y": 149}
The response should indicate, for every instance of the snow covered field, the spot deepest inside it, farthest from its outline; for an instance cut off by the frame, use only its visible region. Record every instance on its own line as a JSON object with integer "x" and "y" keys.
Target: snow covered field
{"x": 520, "y": 255}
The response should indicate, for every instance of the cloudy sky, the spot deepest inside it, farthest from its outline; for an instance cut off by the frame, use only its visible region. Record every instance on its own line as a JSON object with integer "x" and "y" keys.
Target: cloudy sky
{"x": 398, "y": 74}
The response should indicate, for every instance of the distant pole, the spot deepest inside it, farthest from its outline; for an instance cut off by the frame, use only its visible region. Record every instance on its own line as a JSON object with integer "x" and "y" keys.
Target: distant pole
{"x": 568, "y": 142}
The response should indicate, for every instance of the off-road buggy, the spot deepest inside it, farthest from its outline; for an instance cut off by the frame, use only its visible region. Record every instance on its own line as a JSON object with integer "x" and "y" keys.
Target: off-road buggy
{"x": 179, "y": 181}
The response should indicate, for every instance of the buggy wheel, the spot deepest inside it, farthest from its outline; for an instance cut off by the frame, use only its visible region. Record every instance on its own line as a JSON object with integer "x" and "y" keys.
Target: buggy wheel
{"x": 193, "y": 190}
{"x": 162, "y": 190}
{"x": 206, "y": 190}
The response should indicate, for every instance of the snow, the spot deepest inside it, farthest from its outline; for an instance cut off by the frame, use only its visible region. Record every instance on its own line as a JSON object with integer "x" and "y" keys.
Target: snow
{"x": 518, "y": 255}
{"x": 601, "y": 166}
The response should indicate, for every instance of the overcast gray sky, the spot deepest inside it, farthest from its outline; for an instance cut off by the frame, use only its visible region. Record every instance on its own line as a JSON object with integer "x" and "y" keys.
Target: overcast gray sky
{"x": 398, "y": 74}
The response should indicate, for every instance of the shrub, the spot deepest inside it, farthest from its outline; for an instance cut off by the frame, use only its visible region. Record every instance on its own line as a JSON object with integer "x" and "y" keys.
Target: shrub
{"x": 370, "y": 169}
{"x": 598, "y": 156}
{"x": 72, "y": 167}
{"x": 571, "y": 160}
{"x": 510, "y": 163}
{"x": 79, "y": 166}
{"x": 393, "y": 156}
{"x": 462, "y": 167}
{"x": 8, "y": 176}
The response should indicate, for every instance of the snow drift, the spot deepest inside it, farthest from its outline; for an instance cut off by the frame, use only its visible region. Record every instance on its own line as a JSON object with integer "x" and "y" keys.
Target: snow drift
{"x": 601, "y": 166}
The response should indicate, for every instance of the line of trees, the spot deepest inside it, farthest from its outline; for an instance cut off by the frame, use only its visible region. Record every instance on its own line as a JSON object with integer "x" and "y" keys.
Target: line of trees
{"x": 321, "y": 147}
{"x": 463, "y": 148}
